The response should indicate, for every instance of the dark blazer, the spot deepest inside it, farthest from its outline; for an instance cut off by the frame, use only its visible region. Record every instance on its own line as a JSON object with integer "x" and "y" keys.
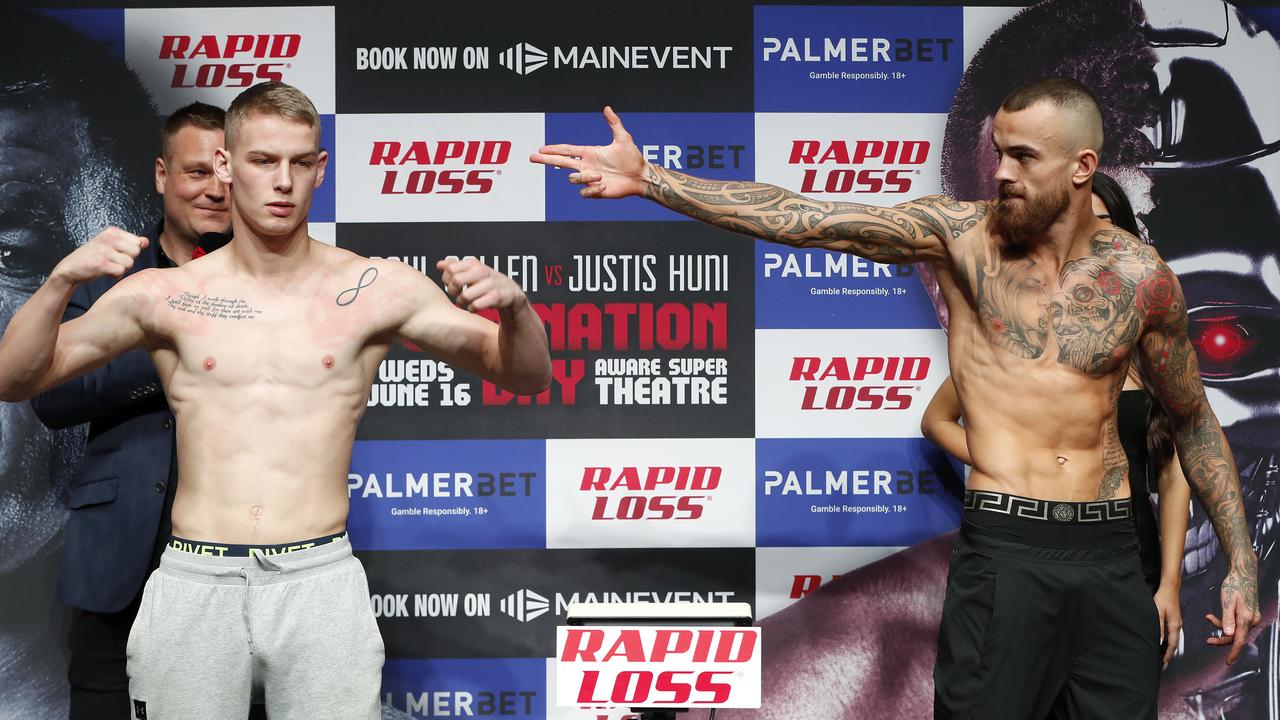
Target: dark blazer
{"x": 117, "y": 499}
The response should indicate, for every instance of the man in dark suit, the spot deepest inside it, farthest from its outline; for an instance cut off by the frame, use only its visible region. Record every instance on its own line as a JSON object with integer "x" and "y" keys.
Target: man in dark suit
{"x": 121, "y": 500}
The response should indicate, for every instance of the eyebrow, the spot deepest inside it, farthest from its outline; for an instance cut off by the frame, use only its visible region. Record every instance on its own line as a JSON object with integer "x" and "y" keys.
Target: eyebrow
{"x": 264, "y": 153}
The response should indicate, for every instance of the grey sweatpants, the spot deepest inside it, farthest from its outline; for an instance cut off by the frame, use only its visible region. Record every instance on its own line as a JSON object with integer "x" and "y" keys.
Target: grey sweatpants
{"x": 298, "y": 626}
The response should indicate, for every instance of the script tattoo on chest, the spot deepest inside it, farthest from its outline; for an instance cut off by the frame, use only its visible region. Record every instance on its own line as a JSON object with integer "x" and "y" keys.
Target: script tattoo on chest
{"x": 1090, "y": 314}
{"x": 213, "y": 306}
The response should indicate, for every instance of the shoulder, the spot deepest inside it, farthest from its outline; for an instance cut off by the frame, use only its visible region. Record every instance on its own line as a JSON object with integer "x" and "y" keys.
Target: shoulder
{"x": 1157, "y": 293}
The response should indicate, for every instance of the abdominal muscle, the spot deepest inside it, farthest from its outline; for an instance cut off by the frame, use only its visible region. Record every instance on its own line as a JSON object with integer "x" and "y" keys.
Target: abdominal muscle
{"x": 267, "y": 467}
{"x": 1037, "y": 428}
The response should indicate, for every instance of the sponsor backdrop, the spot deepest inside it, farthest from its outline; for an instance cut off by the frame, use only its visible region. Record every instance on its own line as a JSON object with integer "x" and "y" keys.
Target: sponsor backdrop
{"x": 729, "y": 420}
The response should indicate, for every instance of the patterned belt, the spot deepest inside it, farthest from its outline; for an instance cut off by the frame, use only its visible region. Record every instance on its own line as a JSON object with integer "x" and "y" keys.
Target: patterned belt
{"x": 1048, "y": 510}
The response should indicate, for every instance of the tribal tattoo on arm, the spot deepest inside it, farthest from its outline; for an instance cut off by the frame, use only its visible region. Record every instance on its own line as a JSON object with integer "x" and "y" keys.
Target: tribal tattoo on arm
{"x": 912, "y": 232}
{"x": 1173, "y": 375}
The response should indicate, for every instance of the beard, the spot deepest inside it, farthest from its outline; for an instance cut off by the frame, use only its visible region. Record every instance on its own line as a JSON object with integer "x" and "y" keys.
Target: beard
{"x": 1019, "y": 221}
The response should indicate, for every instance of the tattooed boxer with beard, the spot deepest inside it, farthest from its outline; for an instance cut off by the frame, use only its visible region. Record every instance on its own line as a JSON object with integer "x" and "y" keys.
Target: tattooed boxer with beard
{"x": 1046, "y": 610}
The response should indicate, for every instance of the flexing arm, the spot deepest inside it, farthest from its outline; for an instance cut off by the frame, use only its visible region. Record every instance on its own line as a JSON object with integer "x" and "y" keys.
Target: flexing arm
{"x": 941, "y": 423}
{"x": 911, "y": 232}
{"x": 38, "y": 351}
{"x": 512, "y": 354}
{"x": 103, "y": 393}
{"x": 1173, "y": 376}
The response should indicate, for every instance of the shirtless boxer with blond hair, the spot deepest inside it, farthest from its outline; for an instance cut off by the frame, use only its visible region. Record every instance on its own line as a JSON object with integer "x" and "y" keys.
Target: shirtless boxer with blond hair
{"x": 266, "y": 350}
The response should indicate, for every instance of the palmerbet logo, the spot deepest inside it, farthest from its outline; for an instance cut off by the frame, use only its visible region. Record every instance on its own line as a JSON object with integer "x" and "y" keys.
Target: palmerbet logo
{"x": 523, "y": 58}
{"x": 524, "y": 605}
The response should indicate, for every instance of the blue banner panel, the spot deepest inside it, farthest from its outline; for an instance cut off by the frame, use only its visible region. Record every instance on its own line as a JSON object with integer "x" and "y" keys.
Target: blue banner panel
{"x": 446, "y": 494}
{"x": 711, "y": 145}
{"x": 820, "y": 289}
{"x": 857, "y": 59}
{"x": 825, "y": 493}
{"x": 324, "y": 204}
{"x": 466, "y": 688}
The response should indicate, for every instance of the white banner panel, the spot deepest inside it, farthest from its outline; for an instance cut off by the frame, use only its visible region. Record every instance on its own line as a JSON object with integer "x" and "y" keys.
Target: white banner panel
{"x": 440, "y": 167}
{"x": 878, "y": 159}
{"x": 785, "y": 575}
{"x": 213, "y": 54}
{"x": 678, "y": 667}
{"x": 651, "y": 493}
{"x": 846, "y": 383}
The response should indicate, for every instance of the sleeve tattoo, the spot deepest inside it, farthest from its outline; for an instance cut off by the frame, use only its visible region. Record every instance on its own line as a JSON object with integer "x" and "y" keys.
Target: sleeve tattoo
{"x": 911, "y": 232}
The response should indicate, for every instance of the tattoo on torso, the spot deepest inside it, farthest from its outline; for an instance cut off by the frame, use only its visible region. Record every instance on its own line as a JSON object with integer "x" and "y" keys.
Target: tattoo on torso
{"x": 348, "y": 296}
{"x": 213, "y": 306}
{"x": 1089, "y": 311}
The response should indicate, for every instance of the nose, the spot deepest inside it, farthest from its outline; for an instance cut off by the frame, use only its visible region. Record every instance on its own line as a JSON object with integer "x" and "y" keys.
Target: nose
{"x": 283, "y": 179}
{"x": 1006, "y": 170}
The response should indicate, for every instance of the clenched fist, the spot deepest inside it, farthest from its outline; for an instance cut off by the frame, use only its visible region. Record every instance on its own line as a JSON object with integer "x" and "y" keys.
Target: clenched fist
{"x": 476, "y": 286}
{"x": 111, "y": 252}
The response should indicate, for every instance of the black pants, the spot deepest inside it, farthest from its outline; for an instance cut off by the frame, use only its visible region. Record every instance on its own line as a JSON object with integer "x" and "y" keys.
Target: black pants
{"x": 1046, "y": 619}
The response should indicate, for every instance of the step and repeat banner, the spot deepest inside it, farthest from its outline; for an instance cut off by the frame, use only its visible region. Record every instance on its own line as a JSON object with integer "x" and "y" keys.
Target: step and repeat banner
{"x": 729, "y": 421}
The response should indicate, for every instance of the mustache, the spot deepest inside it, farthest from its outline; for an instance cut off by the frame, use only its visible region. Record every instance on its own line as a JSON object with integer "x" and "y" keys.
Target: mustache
{"x": 1005, "y": 193}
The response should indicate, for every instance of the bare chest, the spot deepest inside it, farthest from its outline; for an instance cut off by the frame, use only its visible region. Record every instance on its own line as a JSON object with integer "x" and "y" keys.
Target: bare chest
{"x": 1083, "y": 317}
{"x": 227, "y": 340}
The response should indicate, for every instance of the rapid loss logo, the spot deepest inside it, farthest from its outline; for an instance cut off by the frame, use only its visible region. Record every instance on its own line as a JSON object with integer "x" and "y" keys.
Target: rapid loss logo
{"x": 861, "y": 383}
{"x": 662, "y": 666}
{"x": 234, "y": 61}
{"x": 651, "y": 493}
{"x": 842, "y": 167}
{"x": 437, "y": 164}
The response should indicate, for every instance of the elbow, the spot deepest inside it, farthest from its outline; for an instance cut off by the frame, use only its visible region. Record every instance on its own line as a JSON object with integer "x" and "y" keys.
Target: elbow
{"x": 12, "y": 393}
{"x": 927, "y": 429}
{"x": 529, "y": 383}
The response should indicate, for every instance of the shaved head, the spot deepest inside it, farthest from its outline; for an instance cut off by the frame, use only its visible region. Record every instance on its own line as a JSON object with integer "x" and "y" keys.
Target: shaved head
{"x": 1077, "y": 111}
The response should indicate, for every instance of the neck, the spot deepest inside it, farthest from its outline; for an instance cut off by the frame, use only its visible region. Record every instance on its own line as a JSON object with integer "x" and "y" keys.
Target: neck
{"x": 270, "y": 256}
{"x": 1068, "y": 236}
{"x": 176, "y": 248}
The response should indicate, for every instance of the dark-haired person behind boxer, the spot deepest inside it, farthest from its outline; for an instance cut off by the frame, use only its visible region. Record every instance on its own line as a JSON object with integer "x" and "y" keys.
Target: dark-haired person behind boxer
{"x": 1046, "y": 613}
{"x": 122, "y": 495}
{"x": 1145, "y": 433}
{"x": 266, "y": 350}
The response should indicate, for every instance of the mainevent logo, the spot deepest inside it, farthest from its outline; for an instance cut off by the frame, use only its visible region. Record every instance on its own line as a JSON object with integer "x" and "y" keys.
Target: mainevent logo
{"x": 524, "y": 605}
{"x": 859, "y": 383}
{"x": 860, "y": 166}
{"x": 214, "y": 61}
{"x": 524, "y": 58}
{"x": 443, "y": 167}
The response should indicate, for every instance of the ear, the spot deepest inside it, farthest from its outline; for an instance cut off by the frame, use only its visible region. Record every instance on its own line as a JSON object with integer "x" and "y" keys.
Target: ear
{"x": 161, "y": 172}
{"x": 322, "y": 162}
{"x": 1086, "y": 166}
{"x": 222, "y": 165}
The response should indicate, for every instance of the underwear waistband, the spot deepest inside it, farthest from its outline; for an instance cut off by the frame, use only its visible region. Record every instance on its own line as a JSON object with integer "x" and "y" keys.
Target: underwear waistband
{"x": 212, "y": 549}
{"x": 1051, "y": 511}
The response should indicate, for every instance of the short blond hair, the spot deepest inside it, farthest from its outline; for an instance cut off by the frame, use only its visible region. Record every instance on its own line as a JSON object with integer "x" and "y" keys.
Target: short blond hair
{"x": 270, "y": 98}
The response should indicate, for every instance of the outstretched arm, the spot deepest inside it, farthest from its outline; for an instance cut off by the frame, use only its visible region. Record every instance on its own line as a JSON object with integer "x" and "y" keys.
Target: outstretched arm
{"x": 1173, "y": 376}
{"x": 512, "y": 354}
{"x": 911, "y": 232}
{"x": 38, "y": 351}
